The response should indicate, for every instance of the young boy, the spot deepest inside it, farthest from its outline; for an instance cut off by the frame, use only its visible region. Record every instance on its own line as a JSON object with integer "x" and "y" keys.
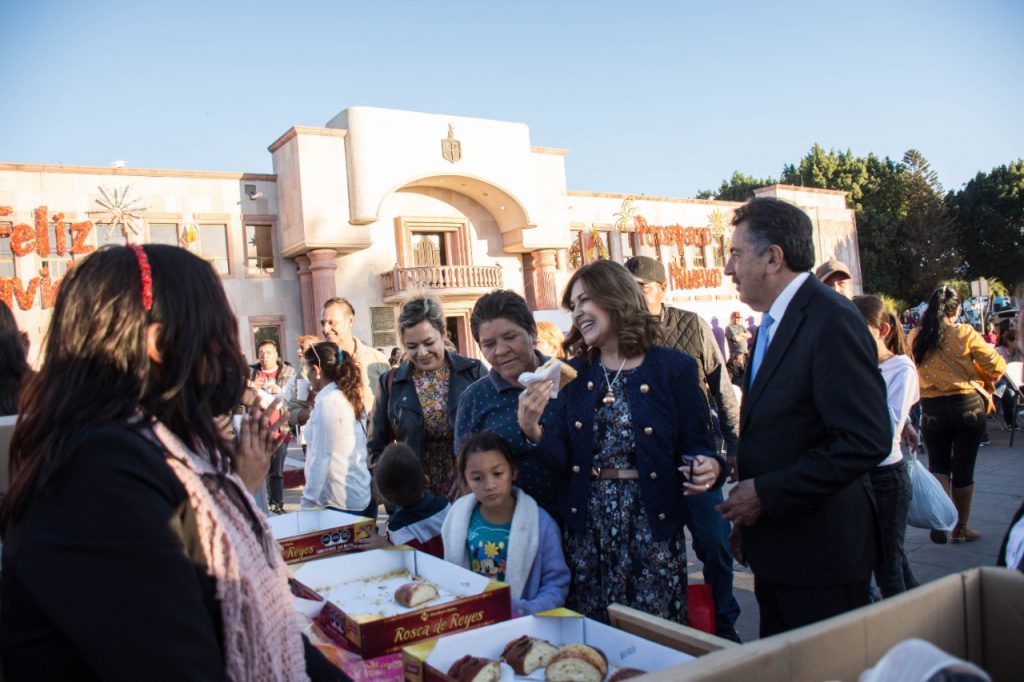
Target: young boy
{"x": 419, "y": 514}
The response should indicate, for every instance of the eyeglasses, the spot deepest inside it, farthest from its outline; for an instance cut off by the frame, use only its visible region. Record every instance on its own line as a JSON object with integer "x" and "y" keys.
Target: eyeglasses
{"x": 316, "y": 355}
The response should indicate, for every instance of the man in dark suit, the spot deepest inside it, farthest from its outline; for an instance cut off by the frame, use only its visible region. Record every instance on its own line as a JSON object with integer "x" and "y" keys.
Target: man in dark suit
{"x": 813, "y": 422}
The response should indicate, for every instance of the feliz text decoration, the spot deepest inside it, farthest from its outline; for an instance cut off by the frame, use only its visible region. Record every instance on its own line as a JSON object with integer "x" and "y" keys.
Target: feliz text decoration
{"x": 69, "y": 240}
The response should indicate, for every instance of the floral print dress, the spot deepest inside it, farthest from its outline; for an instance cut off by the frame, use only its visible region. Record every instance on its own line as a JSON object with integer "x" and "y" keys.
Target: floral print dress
{"x": 615, "y": 558}
{"x": 438, "y": 434}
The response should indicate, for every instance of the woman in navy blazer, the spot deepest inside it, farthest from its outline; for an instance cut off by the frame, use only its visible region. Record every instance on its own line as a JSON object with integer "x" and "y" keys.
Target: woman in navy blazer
{"x": 633, "y": 434}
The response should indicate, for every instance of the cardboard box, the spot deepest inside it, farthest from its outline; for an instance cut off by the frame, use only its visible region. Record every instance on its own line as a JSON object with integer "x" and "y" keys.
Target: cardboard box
{"x": 362, "y": 613}
{"x": 977, "y": 615}
{"x": 306, "y": 535}
{"x": 430, "y": 661}
{"x": 294, "y": 473}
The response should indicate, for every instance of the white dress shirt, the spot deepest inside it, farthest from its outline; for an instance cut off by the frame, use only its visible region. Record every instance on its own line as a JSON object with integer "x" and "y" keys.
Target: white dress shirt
{"x": 782, "y": 301}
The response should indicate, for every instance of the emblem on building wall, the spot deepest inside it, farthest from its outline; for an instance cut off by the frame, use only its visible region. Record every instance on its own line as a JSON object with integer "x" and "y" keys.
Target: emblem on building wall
{"x": 451, "y": 149}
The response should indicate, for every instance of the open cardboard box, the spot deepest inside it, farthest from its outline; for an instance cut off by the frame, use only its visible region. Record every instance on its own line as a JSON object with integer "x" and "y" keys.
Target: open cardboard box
{"x": 362, "y": 586}
{"x": 977, "y": 615}
{"x": 294, "y": 473}
{"x": 430, "y": 661}
{"x": 306, "y": 535}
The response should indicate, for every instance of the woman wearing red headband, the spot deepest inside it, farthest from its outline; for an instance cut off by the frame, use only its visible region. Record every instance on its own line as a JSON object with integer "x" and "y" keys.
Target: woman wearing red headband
{"x": 132, "y": 547}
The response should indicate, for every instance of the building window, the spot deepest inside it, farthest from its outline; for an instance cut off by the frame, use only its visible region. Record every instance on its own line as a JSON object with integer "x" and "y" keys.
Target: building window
{"x": 625, "y": 239}
{"x": 270, "y": 332}
{"x": 634, "y": 244}
{"x": 432, "y": 242}
{"x": 164, "y": 233}
{"x": 429, "y": 249}
{"x": 259, "y": 249}
{"x": 6, "y": 255}
{"x": 264, "y": 328}
{"x": 213, "y": 247}
{"x": 107, "y": 235}
{"x": 718, "y": 250}
{"x": 57, "y": 264}
{"x": 695, "y": 255}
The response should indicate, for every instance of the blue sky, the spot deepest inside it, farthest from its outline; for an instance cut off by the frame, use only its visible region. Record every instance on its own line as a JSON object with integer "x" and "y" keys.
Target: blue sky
{"x": 657, "y": 98}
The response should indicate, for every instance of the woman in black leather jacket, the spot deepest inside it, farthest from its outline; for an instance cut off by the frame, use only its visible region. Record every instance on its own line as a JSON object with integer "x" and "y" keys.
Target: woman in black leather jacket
{"x": 419, "y": 398}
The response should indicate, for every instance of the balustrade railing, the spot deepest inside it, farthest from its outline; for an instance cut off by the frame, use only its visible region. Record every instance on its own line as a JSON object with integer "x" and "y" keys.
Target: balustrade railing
{"x": 441, "y": 277}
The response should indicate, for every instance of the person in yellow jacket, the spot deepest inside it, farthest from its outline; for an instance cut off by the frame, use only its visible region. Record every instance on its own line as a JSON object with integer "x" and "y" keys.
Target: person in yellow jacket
{"x": 958, "y": 370}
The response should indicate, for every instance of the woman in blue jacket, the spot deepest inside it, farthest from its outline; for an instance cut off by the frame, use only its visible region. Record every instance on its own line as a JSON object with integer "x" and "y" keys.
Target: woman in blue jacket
{"x": 633, "y": 433}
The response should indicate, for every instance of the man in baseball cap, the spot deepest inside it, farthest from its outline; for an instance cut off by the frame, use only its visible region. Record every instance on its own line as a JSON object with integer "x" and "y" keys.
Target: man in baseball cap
{"x": 687, "y": 332}
{"x": 835, "y": 274}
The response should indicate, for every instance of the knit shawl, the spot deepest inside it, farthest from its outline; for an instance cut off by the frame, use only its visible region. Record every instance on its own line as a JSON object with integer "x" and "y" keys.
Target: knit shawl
{"x": 260, "y": 634}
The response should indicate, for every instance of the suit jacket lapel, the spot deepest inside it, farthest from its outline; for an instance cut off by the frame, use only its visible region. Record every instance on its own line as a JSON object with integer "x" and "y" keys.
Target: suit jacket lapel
{"x": 780, "y": 342}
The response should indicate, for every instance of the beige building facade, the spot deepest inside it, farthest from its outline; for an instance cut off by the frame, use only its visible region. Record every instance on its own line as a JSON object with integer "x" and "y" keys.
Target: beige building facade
{"x": 374, "y": 206}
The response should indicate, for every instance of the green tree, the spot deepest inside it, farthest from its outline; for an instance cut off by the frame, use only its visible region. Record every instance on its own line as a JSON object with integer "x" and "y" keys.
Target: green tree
{"x": 907, "y": 239}
{"x": 879, "y": 225}
{"x": 927, "y": 251}
{"x": 829, "y": 170}
{"x": 739, "y": 187}
{"x": 988, "y": 214}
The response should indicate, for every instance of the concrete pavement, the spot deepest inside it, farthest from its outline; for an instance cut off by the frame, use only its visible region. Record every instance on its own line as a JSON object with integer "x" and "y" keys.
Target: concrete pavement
{"x": 999, "y": 488}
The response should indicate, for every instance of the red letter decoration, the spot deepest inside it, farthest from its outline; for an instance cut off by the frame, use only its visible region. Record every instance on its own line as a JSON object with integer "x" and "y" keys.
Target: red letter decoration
{"x": 23, "y": 240}
{"x": 81, "y": 233}
{"x": 26, "y": 297}
{"x": 42, "y": 236}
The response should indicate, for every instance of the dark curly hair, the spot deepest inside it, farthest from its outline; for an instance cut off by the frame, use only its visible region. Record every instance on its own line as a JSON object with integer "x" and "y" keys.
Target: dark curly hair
{"x": 341, "y": 368}
{"x": 614, "y": 290}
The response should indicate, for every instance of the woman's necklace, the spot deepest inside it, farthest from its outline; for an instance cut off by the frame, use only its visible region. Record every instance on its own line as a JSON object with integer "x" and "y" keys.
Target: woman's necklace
{"x": 609, "y": 397}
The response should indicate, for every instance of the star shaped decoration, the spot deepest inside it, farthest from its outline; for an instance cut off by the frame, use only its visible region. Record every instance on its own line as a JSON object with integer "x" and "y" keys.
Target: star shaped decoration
{"x": 119, "y": 211}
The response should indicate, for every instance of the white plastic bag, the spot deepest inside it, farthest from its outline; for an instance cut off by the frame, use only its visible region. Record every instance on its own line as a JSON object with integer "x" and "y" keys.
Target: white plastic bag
{"x": 930, "y": 506}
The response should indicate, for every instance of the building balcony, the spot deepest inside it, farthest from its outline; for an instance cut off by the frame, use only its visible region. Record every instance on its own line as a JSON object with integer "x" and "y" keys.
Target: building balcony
{"x": 444, "y": 281}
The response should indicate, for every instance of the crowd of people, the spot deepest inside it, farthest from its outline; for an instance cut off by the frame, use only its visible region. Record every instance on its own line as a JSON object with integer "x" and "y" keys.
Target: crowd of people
{"x": 575, "y": 494}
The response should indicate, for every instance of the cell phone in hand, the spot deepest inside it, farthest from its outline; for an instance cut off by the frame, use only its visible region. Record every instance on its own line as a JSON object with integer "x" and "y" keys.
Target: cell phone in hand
{"x": 690, "y": 461}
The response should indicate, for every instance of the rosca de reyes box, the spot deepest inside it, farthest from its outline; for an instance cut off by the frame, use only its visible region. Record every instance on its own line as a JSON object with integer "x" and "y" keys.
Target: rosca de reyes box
{"x": 353, "y": 597}
{"x": 430, "y": 661}
{"x": 306, "y": 535}
{"x": 294, "y": 473}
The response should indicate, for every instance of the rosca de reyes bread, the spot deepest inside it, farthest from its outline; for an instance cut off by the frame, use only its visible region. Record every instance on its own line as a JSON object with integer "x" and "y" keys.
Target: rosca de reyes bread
{"x": 415, "y": 594}
{"x": 527, "y": 654}
{"x": 577, "y": 663}
{"x": 473, "y": 669}
{"x": 625, "y": 674}
{"x": 565, "y": 372}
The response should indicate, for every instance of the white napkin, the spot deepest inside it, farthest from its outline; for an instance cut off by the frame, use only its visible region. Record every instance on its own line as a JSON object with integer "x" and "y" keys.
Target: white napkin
{"x": 549, "y": 373}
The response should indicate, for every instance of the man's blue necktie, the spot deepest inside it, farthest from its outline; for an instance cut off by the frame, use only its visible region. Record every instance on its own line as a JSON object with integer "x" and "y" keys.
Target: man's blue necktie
{"x": 764, "y": 335}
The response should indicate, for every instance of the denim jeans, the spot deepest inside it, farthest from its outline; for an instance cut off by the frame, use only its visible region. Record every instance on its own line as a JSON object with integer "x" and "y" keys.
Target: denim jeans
{"x": 892, "y": 490}
{"x": 710, "y": 533}
{"x": 275, "y": 479}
